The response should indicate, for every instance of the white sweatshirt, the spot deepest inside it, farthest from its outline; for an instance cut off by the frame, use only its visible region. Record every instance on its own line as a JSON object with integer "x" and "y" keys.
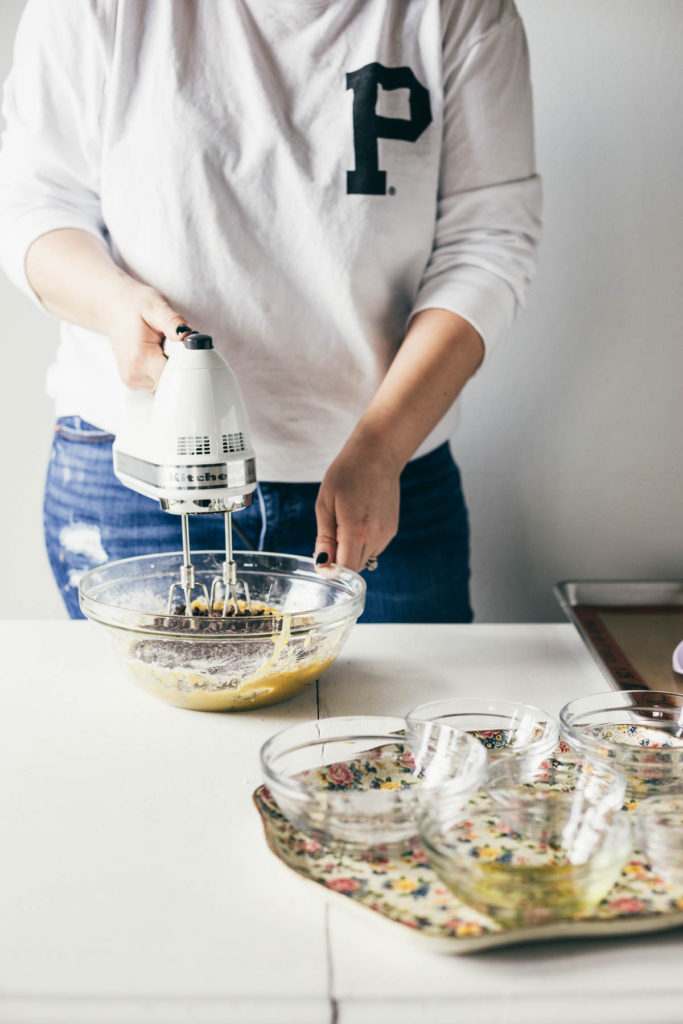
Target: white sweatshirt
{"x": 297, "y": 177}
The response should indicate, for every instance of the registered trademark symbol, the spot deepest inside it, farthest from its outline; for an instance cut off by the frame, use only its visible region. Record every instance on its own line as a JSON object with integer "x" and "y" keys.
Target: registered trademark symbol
{"x": 391, "y": 190}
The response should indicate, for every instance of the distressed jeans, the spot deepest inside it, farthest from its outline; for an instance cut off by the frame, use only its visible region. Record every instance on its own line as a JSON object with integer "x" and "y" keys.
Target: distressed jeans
{"x": 91, "y": 518}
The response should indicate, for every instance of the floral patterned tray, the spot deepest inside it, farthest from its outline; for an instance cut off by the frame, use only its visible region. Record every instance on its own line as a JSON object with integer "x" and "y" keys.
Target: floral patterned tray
{"x": 407, "y": 892}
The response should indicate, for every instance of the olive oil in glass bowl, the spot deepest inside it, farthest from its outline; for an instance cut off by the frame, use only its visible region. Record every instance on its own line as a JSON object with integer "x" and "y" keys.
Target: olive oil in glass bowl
{"x": 544, "y": 850}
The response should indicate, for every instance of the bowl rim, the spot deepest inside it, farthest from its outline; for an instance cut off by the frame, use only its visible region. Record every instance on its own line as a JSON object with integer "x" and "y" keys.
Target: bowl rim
{"x": 114, "y": 616}
{"x": 543, "y": 743}
{"x": 648, "y": 805}
{"x": 588, "y": 705}
{"x": 615, "y": 780}
{"x": 433, "y": 831}
{"x": 652, "y": 831}
{"x": 299, "y": 789}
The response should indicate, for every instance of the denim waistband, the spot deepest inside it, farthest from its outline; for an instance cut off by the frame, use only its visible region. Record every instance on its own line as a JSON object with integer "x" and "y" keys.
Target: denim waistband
{"x": 73, "y": 428}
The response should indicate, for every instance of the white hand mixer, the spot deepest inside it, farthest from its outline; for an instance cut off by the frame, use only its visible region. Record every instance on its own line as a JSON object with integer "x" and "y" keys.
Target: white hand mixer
{"x": 188, "y": 446}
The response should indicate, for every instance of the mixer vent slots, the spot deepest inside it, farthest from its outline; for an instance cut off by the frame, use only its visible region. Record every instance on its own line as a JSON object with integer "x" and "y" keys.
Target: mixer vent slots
{"x": 234, "y": 443}
{"x": 194, "y": 446}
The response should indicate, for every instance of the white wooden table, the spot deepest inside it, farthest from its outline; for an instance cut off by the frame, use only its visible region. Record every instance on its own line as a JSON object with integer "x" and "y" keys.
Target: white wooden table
{"x": 136, "y": 886}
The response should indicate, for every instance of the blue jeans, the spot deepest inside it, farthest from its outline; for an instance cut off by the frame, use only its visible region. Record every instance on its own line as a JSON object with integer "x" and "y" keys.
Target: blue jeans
{"x": 91, "y": 518}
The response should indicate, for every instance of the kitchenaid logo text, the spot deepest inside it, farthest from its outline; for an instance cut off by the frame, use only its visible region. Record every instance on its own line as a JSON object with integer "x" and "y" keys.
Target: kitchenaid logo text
{"x": 199, "y": 478}
{"x": 369, "y": 127}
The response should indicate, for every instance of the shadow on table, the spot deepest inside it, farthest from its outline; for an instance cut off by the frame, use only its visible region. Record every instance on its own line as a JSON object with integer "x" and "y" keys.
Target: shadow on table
{"x": 563, "y": 949}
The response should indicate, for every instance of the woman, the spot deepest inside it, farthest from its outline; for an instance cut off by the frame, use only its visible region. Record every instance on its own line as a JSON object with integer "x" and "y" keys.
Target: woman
{"x": 341, "y": 192}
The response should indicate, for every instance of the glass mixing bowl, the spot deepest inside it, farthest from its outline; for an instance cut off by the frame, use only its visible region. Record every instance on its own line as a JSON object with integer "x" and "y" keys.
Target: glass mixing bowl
{"x": 359, "y": 783}
{"x": 638, "y": 732}
{"x": 217, "y": 664}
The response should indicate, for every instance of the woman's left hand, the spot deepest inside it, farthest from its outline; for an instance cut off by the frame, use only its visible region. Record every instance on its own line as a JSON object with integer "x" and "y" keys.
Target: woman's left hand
{"x": 357, "y": 506}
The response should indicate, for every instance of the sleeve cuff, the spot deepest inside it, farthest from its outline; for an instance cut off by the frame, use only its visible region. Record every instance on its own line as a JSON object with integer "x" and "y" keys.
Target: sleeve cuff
{"x": 481, "y": 298}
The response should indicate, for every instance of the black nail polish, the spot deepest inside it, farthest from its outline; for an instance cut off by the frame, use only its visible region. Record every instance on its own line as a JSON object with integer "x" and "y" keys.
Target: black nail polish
{"x": 182, "y": 329}
{"x": 321, "y": 557}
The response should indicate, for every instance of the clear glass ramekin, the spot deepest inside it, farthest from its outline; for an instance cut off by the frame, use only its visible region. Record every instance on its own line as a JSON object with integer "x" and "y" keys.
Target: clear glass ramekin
{"x": 659, "y": 834}
{"x": 520, "y": 733}
{"x": 359, "y": 783}
{"x": 540, "y": 851}
{"x": 639, "y": 732}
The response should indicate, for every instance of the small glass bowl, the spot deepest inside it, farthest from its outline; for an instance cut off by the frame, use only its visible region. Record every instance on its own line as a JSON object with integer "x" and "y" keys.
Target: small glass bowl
{"x": 360, "y": 784}
{"x": 639, "y": 732}
{"x": 659, "y": 832}
{"x": 534, "y": 852}
{"x": 521, "y": 733}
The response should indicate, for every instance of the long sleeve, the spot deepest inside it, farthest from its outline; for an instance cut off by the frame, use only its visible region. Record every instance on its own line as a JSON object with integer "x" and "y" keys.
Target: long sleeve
{"x": 52, "y": 105}
{"x": 488, "y": 215}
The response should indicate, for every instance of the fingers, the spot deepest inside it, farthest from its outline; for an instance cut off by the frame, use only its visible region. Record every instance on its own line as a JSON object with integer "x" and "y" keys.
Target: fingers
{"x": 139, "y": 338}
{"x": 163, "y": 319}
{"x": 325, "y": 550}
{"x": 154, "y": 365}
{"x": 139, "y": 354}
{"x": 345, "y": 542}
{"x": 353, "y": 548}
{"x": 155, "y": 358}
{"x": 171, "y": 326}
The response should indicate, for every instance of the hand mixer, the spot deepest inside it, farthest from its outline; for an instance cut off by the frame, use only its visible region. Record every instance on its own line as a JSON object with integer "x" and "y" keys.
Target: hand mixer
{"x": 188, "y": 446}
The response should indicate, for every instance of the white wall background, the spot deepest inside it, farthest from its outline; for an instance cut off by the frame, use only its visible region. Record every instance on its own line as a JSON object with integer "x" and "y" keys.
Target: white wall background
{"x": 29, "y": 337}
{"x": 571, "y": 436}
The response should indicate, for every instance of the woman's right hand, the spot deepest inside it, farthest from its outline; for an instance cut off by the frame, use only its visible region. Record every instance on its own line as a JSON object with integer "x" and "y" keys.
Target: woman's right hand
{"x": 139, "y": 322}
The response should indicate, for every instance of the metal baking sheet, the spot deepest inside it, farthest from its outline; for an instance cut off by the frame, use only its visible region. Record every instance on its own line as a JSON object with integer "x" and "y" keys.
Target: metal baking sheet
{"x": 631, "y": 627}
